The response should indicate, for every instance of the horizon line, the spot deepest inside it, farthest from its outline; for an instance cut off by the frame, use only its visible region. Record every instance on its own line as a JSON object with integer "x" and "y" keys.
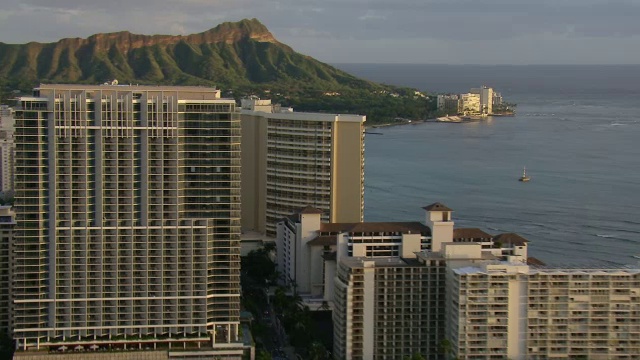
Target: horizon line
{"x": 445, "y": 64}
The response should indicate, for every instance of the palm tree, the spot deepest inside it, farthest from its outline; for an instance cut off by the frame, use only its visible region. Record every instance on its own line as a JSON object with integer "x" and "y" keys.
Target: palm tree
{"x": 446, "y": 348}
{"x": 317, "y": 351}
{"x": 415, "y": 356}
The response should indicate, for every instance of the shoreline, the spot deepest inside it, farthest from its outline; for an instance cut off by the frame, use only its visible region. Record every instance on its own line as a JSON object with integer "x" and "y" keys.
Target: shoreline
{"x": 383, "y": 125}
{"x": 434, "y": 120}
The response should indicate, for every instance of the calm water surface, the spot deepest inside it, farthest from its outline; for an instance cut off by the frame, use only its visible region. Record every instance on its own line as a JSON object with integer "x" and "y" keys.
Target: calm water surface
{"x": 577, "y": 131}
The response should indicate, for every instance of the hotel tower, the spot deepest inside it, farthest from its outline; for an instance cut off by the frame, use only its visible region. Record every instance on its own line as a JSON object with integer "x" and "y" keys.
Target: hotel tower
{"x": 128, "y": 220}
{"x": 291, "y": 160}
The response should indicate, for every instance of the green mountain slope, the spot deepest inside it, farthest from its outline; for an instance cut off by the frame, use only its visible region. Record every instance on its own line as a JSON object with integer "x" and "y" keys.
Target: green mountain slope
{"x": 241, "y": 58}
{"x": 229, "y": 55}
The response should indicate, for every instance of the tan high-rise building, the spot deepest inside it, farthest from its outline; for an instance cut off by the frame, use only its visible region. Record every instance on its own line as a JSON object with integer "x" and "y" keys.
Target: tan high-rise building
{"x": 128, "y": 219}
{"x": 291, "y": 160}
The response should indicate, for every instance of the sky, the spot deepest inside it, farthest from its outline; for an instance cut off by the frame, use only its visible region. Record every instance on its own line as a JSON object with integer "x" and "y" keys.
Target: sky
{"x": 365, "y": 31}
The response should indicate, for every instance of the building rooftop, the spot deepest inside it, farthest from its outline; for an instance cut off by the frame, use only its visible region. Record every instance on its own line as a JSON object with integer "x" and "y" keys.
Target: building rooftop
{"x": 430, "y": 255}
{"x": 110, "y": 86}
{"x": 470, "y": 233}
{"x": 392, "y": 261}
{"x": 535, "y": 261}
{"x": 307, "y": 116}
{"x": 510, "y": 238}
{"x": 436, "y": 207}
{"x": 310, "y": 210}
{"x": 376, "y": 227}
{"x": 325, "y": 240}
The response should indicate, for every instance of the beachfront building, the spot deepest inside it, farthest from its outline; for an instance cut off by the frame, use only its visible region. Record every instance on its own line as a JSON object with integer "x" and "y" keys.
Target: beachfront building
{"x": 307, "y": 247}
{"x": 294, "y": 159}
{"x": 128, "y": 221}
{"x": 473, "y": 296}
{"x": 470, "y": 104}
{"x": 519, "y": 311}
{"x": 449, "y": 104}
{"x": 486, "y": 99}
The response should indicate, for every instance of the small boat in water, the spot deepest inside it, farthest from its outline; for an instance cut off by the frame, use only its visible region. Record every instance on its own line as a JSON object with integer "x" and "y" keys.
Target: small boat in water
{"x": 524, "y": 177}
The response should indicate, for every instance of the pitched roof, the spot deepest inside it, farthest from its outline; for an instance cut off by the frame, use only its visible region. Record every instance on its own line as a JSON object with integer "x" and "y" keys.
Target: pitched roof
{"x": 402, "y": 227}
{"x": 470, "y": 233}
{"x": 326, "y": 240}
{"x": 510, "y": 238}
{"x": 310, "y": 210}
{"x": 535, "y": 261}
{"x": 436, "y": 207}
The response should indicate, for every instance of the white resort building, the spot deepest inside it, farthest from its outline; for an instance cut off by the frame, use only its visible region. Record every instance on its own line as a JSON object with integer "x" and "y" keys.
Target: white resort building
{"x": 397, "y": 289}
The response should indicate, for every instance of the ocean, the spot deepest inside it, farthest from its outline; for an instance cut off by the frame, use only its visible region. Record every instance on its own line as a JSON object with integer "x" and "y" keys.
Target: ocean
{"x": 577, "y": 131}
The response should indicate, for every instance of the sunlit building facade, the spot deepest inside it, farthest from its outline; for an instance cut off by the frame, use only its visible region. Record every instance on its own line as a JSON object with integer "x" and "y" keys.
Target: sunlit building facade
{"x": 128, "y": 213}
{"x": 294, "y": 159}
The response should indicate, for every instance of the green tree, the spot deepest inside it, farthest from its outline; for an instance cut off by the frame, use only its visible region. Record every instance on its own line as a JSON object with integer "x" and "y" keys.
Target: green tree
{"x": 263, "y": 355}
{"x": 446, "y": 348}
{"x": 317, "y": 351}
{"x": 6, "y": 346}
{"x": 416, "y": 356}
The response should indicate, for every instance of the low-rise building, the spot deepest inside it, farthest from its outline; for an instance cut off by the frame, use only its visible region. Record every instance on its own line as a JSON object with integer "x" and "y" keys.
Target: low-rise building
{"x": 467, "y": 294}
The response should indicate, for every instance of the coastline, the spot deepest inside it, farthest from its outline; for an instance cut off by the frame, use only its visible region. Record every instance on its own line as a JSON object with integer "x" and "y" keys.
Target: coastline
{"x": 397, "y": 123}
{"x": 446, "y": 120}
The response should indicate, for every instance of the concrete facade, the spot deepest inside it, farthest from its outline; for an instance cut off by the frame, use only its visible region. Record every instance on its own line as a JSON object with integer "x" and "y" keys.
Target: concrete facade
{"x": 291, "y": 160}
{"x": 486, "y": 99}
{"x": 484, "y": 296}
{"x": 470, "y": 104}
{"x": 7, "y": 149}
{"x": 128, "y": 212}
{"x": 526, "y": 312}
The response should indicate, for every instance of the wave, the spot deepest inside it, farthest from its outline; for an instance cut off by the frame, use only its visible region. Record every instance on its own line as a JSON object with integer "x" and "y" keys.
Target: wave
{"x": 605, "y": 236}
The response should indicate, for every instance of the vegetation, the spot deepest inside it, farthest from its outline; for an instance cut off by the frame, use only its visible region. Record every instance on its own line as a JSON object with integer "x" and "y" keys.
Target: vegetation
{"x": 446, "y": 348}
{"x": 505, "y": 108}
{"x": 6, "y": 198}
{"x": 263, "y": 355}
{"x": 6, "y": 346}
{"x": 243, "y": 58}
{"x": 416, "y": 356}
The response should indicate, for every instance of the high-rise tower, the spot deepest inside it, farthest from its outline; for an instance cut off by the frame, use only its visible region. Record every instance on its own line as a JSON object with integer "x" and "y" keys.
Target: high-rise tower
{"x": 291, "y": 160}
{"x": 128, "y": 213}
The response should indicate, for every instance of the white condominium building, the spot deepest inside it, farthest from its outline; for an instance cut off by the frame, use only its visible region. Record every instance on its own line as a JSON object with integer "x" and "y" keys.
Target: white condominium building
{"x": 486, "y": 98}
{"x": 291, "y": 160}
{"x": 522, "y": 312}
{"x": 128, "y": 213}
